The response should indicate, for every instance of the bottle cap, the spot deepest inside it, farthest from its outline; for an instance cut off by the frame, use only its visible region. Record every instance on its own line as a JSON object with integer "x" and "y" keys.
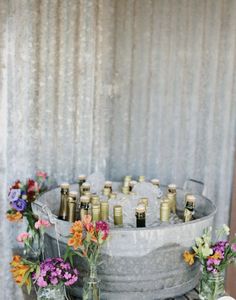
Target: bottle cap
{"x": 84, "y": 199}
{"x": 86, "y": 185}
{"x": 108, "y": 183}
{"x": 140, "y": 208}
{"x": 155, "y": 181}
{"x": 172, "y": 186}
{"x": 190, "y": 198}
{"x": 73, "y": 194}
{"x": 82, "y": 177}
{"x": 65, "y": 185}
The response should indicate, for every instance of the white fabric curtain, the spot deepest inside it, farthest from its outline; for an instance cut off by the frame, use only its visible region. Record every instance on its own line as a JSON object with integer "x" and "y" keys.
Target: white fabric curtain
{"x": 120, "y": 86}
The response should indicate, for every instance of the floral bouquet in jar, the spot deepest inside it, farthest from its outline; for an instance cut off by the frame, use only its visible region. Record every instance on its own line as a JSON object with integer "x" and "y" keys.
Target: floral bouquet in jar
{"x": 214, "y": 257}
{"x": 20, "y": 196}
{"x": 86, "y": 240}
{"x": 50, "y": 277}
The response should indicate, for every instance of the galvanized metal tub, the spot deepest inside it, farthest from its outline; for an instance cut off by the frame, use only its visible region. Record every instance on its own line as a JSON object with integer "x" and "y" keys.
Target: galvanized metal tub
{"x": 138, "y": 264}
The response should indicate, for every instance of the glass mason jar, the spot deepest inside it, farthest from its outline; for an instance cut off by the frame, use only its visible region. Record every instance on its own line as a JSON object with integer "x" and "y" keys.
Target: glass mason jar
{"x": 51, "y": 292}
{"x": 212, "y": 285}
{"x": 91, "y": 289}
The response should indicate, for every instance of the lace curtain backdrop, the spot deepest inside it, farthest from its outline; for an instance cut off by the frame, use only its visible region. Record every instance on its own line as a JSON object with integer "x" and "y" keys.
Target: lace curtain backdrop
{"x": 117, "y": 86}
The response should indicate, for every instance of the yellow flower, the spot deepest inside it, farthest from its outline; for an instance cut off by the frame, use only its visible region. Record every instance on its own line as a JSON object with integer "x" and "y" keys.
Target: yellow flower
{"x": 15, "y": 217}
{"x": 189, "y": 257}
{"x": 19, "y": 270}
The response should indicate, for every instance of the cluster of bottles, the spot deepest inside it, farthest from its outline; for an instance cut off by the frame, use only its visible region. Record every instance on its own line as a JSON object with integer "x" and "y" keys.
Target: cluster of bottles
{"x": 98, "y": 205}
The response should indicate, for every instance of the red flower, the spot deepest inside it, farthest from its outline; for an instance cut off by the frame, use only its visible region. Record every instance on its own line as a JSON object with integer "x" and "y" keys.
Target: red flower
{"x": 16, "y": 185}
{"x": 32, "y": 189}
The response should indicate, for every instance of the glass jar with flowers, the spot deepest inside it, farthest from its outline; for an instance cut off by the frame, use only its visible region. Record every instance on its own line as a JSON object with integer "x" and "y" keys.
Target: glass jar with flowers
{"x": 51, "y": 278}
{"x": 20, "y": 196}
{"x": 214, "y": 258}
{"x": 86, "y": 240}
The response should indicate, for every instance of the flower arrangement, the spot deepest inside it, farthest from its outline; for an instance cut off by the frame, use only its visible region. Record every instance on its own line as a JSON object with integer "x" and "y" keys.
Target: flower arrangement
{"x": 21, "y": 195}
{"x": 52, "y": 272}
{"x": 33, "y": 242}
{"x": 86, "y": 240}
{"x": 214, "y": 258}
{"x": 55, "y": 271}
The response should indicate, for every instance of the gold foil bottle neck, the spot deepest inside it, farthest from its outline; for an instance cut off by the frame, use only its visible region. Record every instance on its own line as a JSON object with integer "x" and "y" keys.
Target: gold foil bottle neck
{"x": 71, "y": 209}
{"x": 113, "y": 196}
{"x": 165, "y": 211}
{"x": 128, "y": 178}
{"x": 125, "y": 190}
{"x": 95, "y": 199}
{"x": 104, "y": 207}
{"x": 96, "y": 212}
{"x": 118, "y": 211}
{"x": 84, "y": 199}
{"x": 141, "y": 178}
{"x": 106, "y": 191}
{"x": 118, "y": 215}
{"x": 73, "y": 194}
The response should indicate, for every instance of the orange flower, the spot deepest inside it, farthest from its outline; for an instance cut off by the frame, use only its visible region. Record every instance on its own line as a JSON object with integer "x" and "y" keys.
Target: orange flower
{"x": 189, "y": 257}
{"x": 14, "y": 217}
{"x": 19, "y": 270}
{"x": 76, "y": 227}
{"x": 76, "y": 240}
{"x": 217, "y": 255}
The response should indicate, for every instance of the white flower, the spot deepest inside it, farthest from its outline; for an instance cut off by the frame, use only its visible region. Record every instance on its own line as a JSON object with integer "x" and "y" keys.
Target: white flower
{"x": 14, "y": 195}
{"x": 226, "y": 229}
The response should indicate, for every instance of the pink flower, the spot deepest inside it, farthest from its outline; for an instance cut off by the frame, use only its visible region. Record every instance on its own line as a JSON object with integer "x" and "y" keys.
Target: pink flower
{"x": 41, "y": 224}
{"x": 41, "y": 174}
{"x": 233, "y": 247}
{"x": 22, "y": 237}
{"x": 41, "y": 282}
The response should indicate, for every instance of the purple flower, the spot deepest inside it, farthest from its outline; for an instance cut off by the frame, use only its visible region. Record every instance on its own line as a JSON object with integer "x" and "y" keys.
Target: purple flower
{"x": 41, "y": 282}
{"x": 233, "y": 247}
{"x": 55, "y": 271}
{"x": 19, "y": 204}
